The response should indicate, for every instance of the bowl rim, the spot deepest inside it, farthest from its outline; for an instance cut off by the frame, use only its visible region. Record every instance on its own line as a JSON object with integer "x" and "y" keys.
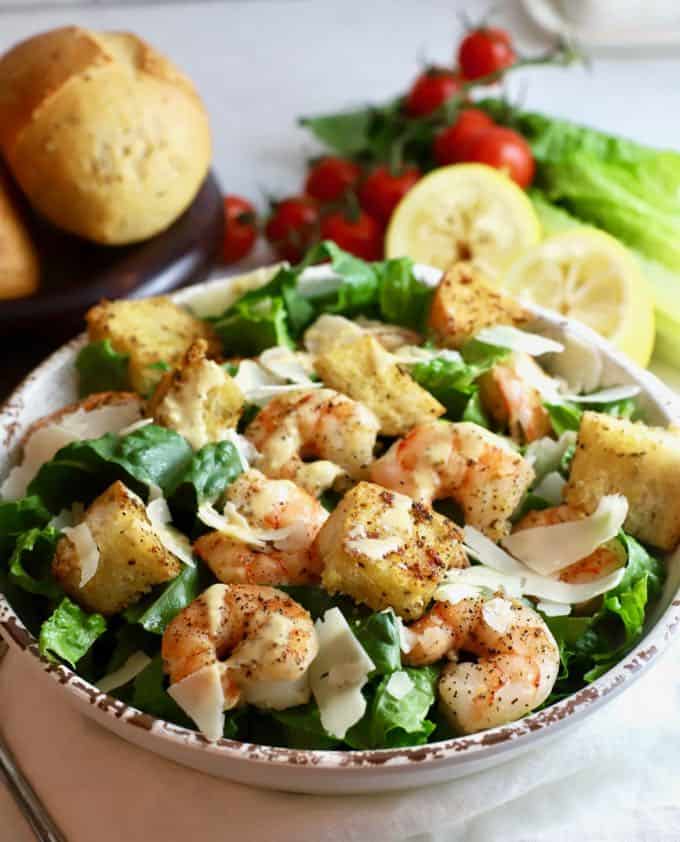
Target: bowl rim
{"x": 500, "y": 739}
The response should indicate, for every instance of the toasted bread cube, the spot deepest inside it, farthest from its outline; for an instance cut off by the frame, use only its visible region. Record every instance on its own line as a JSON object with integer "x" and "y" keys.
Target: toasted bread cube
{"x": 616, "y": 456}
{"x": 365, "y": 371}
{"x": 385, "y": 550}
{"x": 465, "y": 302}
{"x": 152, "y": 330}
{"x": 131, "y": 557}
{"x": 199, "y": 400}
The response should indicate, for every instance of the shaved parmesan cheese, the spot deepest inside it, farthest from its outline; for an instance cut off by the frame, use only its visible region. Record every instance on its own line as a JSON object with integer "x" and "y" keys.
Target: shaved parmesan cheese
{"x": 579, "y": 364}
{"x": 410, "y": 354}
{"x": 233, "y": 523}
{"x": 484, "y": 549}
{"x": 173, "y": 540}
{"x": 246, "y": 450}
{"x": 399, "y": 685}
{"x": 329, "y": 330}
{"x": 338, "y": 673}
{"x": 68, "y": 517}
{"x": 506, "y": 336}
{"x": 136, "y": 425}
{"x": 86, "y": 549}
{"x": 259, "y": 386}
{"x": 551, "y": 488}
{"x": 201, "y": 697}
{"x": 498, "y": 614}
{"x": 545, "y": 455}
{"x": 456, "y": 593}
{"x": 44, "y": 442}
{"x": 614, "y": 393}
{"x": 278, "y": 695}
{"x": 553, "y": 609}
{"x": 549, "y": 549}
{"x": 531, "y": 584}
{"x": 287, "y": 365}
{"x": 137, "y": 662}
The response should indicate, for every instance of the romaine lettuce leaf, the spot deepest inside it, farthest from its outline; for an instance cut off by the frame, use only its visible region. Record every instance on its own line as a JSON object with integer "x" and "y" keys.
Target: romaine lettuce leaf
{"x": 102, "y": 369}
{"x": 69, "y": 632}
{"x": 30, "y": 563}
{"x": 82, "y": 470}
{"x": 210, "y": 471}
{"x": 18, "y": 516}
{"x": 402, "y": 298}
{"x": 379, "y": 635}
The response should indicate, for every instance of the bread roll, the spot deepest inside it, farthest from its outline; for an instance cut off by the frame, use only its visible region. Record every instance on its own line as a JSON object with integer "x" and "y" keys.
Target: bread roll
{"x": 105, "y": 136}
{"x": 19, "y": 268}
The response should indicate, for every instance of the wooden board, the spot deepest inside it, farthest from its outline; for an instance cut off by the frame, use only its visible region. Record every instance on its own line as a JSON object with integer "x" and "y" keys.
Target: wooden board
{"x": 76, "y": 273}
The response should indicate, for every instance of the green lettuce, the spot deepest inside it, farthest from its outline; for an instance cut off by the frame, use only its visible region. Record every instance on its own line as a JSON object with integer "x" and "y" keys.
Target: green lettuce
{"x": 82, "y": 470}
{"x": 102, "y": 369}
{"x": 69, "y": 632}
{"x": 453, "y": 381}
{"x": 16, "y": 517}
{"x": 211, "y": 470}
{"x": 155, "y": 611}
{"x": 30, "y": 563}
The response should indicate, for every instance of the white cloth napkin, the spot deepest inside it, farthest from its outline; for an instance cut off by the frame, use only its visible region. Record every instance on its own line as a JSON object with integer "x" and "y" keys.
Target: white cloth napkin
{"x": 615, "y": 778}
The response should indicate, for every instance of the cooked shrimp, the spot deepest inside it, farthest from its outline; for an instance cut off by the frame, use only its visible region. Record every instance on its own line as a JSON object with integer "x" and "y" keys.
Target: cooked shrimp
{"x": 464, "y": 462}
{"x": 508, "y": 392}
{"x": 321, "y": 424}
{"x": 257, "y": 635}
{"x": 606, "y": 559}
{"x": 289, "y": 558}
{"x": 516, "y": 667}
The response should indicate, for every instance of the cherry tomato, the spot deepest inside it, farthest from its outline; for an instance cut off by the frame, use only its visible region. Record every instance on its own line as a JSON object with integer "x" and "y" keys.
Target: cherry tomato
{"x": 506, "y": 150}
{"x": 361, "y": 236}
{"x": 293, "y": 227}
{"x": 383, "y": 190}
{"x": 485, "y": 51}
{"x": 330, "y": 178}
{"x": 240, "y": 228}
{"x": 430, "y": 90}
{"x": 452, "y": 144}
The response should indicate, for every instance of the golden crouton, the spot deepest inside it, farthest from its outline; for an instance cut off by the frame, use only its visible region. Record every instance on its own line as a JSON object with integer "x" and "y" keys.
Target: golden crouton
{"x": 616, "y": 456}
{"x": 385, "y": 550}
{"x": 131, "y": 557}
{"x": 508, "y": 393}
{"x": 199, "y": 400}
{"x": 368, "y": 373}
{"x": 465, "y": 302}
{"x": 151, "y": 331}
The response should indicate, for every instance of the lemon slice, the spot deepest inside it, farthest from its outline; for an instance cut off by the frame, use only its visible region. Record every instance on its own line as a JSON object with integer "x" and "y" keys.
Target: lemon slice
{"x": 463, "y": 212}
{"x": 587, "y": 275}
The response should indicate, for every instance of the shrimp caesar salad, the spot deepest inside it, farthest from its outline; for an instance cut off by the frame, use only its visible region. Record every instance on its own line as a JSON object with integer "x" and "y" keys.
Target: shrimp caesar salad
{"x": 352, "y": 506}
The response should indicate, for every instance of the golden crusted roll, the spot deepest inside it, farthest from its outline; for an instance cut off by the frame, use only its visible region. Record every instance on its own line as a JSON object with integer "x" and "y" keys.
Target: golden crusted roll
{"x": 104, "y": 135}
{"x": 19, "y": 267}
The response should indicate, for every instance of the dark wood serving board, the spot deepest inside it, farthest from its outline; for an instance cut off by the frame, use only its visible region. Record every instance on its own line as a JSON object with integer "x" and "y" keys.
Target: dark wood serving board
{"x": 76, "y": 274}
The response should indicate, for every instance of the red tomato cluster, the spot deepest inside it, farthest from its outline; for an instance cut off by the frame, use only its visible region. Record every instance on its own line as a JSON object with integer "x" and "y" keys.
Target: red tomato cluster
{"x": 351, "y": 204}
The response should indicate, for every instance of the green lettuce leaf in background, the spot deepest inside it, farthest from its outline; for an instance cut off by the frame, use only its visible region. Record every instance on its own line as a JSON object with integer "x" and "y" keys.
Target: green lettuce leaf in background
{"x": 30, "y": 563}
{"x": 17, "y": 516}
{"x": 102, "y": 369}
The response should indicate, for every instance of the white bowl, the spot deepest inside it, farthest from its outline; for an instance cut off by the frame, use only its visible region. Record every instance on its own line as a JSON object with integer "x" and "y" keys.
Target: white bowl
{"x": 53, "y": 384}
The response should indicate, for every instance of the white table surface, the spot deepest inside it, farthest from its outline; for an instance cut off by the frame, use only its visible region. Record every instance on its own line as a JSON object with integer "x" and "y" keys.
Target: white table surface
{"x": 258, "y": 64}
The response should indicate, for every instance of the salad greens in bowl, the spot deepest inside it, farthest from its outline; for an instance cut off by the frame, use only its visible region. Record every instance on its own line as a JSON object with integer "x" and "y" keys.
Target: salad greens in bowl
{"x": 342, "y": 526}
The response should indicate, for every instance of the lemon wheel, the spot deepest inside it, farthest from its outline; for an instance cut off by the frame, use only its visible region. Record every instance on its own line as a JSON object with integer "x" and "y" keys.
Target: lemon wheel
{"x": 464, "y": 212}
{"x": 588, "y": 275}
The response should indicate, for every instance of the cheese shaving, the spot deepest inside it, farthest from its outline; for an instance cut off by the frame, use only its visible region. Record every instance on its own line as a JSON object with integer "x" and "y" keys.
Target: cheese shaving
{"x": 86, "y": 550}
{"x": 614, "y": 393}
{"x": 549, "y": 549}
{"x": 173, "y": 540}
{"x": 338, "y": 673}
{"x": 551, "y": 488}
{"x": 201, "y": 697}
{"x": 506, "y": 336}
{"x": 287, "y": 365}
{"x": 136, "y": 663}
{"x": 498, "y": 614}
{"x": 259, "y": 386}
{"x": 456, "y": 593}
{"x": 553, "y": 609}
{"x": 232, "y": 523}
{"x": 246, "y": 450}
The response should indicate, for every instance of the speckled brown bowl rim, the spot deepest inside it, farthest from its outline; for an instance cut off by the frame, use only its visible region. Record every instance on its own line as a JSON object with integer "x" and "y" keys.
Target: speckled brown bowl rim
{"x": 477, "y": 746}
